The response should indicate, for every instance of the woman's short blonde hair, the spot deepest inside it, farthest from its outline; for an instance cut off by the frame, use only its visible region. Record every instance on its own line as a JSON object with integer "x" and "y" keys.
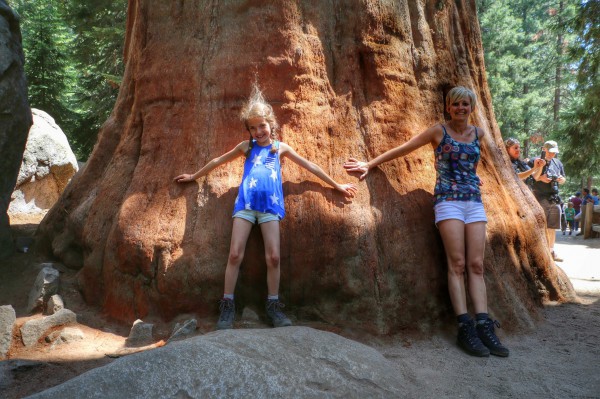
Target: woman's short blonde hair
{"x": 458, "y": 93}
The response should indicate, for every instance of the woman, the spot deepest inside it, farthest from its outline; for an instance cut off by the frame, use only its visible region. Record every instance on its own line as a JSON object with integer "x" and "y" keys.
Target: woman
{"x": 459, "y": 215}
{"x": 513, "y": 147}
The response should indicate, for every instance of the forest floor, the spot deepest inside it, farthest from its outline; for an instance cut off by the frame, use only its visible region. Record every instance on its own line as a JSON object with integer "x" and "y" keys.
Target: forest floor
{"x": 559, "y": 359}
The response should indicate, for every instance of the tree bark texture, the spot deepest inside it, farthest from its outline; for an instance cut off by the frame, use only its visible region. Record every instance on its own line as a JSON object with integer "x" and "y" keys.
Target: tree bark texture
{"x": 346, "y": 78}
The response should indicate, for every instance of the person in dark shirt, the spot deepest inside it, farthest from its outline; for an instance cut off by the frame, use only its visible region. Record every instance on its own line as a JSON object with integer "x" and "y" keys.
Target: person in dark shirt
{"x": 594, "y": 197}
{"x": 545, "y": 189}
{"x": 522, "y": 169}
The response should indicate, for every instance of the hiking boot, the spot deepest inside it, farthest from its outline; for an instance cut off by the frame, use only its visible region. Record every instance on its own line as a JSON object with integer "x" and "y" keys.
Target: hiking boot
{"x": 274, "y": 312}
{"x": 556, "y": 258}
{"x": 469, "y": 341}
{"x": 485, "y": 331}
{"x": 227, "y": 307}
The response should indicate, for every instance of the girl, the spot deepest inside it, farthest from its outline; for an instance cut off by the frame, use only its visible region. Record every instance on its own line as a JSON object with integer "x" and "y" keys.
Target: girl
{"x": 459, "y": 215}
{"x": 259, "y": 200}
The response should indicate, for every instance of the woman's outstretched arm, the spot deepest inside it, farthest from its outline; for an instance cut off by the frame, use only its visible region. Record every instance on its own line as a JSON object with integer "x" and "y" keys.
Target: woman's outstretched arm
{"x": 433, "y": 135}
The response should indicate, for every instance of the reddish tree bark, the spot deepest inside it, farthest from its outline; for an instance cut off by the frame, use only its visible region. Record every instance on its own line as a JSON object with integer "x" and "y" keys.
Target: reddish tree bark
{"x": 350, "y": 78}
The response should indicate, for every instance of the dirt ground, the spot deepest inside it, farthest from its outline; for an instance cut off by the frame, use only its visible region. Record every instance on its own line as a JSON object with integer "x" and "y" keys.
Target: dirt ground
{"x": 559, "y": 359}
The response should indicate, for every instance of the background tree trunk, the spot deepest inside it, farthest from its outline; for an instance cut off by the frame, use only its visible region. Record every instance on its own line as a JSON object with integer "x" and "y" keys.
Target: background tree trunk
{"x": 346, "y": 78}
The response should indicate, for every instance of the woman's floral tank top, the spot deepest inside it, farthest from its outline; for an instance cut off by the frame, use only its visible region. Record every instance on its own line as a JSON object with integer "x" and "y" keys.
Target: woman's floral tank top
{"x": 456, "y": 167}
{"x": 261, "y": 189}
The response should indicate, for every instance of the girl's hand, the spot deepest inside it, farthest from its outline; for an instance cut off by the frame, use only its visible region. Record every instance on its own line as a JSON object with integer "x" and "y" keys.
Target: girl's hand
{"x": 183, "y": 178}
{"x": 354, "y": 165}
{"x": 348, "y": 189}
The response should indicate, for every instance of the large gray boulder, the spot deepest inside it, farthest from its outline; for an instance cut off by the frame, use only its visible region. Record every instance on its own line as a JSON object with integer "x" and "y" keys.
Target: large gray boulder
{"x": 292, "y": 362}
{"x": 48, "y": 166}
{"x": 15, "y": 117}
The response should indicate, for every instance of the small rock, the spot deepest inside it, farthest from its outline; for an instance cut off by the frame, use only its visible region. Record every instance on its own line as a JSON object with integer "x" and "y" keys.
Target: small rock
{"x": 182, "y": 330}
{"x": 46, "y": 285}
{"x": 250, "y": 318}
{"x": 249, "y": 315}
{"x": 7, "y": 322}
{"x": 55, "y": 303}
{"x": 140, "y": 334}
{"x": 66, "y": 335}
{"x": 32, "y": 330}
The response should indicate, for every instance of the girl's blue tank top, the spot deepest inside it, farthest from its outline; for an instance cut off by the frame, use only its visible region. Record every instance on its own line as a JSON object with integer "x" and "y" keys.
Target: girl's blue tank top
{"x": 261, "y": 189}
{"x": 456, "y": 167}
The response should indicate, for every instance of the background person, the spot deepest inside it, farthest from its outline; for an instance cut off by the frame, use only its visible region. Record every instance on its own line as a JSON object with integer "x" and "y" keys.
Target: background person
{"x": 546, "y": 189}
{"x": 594, "y": 199}
{"x": 577, "y": 201}
{"x": 525, "y": 173}
{"x": 570, "y": 217}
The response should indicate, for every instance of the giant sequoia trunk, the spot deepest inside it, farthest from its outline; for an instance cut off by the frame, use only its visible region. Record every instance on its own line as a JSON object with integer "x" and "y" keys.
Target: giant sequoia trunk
{"x": 346, "y": 78}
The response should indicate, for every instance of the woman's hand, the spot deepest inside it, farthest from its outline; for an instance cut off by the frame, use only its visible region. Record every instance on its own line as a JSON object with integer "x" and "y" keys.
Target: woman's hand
{"x": 348, "y": 189}
{"x": 354, "y": 165}
{"x": 183, "y": 178}
{"x": 539, "y": 163}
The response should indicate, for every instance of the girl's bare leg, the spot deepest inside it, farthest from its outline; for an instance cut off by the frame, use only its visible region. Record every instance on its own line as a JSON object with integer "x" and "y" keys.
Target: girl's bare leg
{"x": 239, "y": 236}
{"x": 270, "y": 233}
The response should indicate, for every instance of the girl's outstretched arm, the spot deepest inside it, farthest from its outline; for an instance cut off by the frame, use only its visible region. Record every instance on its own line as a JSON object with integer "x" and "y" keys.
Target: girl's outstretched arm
{"x": 348, "y": 189}
{"x": 433, "y": 135}
{"x": 229, "y": 156}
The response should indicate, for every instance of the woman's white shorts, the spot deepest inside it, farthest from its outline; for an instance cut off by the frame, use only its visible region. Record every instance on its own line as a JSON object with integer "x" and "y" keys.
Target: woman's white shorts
{"x": 466, "y": 211}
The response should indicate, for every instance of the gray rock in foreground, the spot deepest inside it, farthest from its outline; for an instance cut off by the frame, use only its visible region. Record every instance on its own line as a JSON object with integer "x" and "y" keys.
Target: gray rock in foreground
{"x": 293, "y": 362}
{"x": 7, "y": 322}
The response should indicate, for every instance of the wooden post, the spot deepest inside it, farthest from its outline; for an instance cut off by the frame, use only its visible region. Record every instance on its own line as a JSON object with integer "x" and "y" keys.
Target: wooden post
{"x": 587, "y": 216}
{"x": 582, "y": 218}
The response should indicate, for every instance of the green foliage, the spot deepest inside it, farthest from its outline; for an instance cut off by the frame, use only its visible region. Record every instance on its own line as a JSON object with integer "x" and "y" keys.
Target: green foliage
{"x": 48, "y": 67}
{"x": 522, "y": 53}
{"x": 582, "y": 132}
{"x": 542, "y": 59}
{"x": 74, "y": 62}
{"x": 98, "y": 55}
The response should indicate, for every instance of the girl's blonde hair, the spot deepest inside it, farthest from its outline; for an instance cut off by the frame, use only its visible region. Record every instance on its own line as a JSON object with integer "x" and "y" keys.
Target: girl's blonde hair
{"x": 458, "y": 93}
{"x": 257, "y": 106}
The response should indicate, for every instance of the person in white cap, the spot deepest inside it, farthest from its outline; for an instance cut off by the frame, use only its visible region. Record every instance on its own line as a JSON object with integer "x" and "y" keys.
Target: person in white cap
{"x": 545, "y": 189}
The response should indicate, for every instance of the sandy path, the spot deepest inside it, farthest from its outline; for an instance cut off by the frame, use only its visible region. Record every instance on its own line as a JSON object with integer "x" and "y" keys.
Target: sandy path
{"x": 559, "y": 359}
